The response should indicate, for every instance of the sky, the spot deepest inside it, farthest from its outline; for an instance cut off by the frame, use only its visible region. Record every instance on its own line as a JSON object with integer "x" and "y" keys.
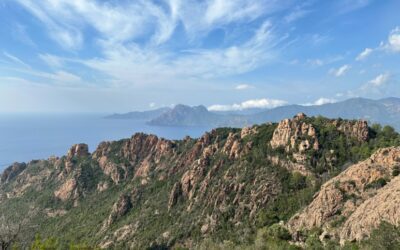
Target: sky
{"x": 120, "y": 55}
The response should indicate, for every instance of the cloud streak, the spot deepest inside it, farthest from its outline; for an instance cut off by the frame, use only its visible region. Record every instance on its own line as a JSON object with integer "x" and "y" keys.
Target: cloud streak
{"x": 243, "y": 87}
{"x": 321, "y": 101}
{"x": 254, "y": 103}
{"x": 340, "y": 71}
{"x": 380, "y": 80}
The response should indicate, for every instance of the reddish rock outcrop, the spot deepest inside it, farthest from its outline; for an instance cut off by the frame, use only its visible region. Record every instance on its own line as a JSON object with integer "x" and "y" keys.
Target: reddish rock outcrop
{"x": 67, "y": 191}
{"x": 78, "y": 150}
{"x": 351, "y": 193}
{"x": 174, "y": 195}
{"x": 119, "y": 209}
{"x": 357, "y": 129}
{"x": 295, "y": 135}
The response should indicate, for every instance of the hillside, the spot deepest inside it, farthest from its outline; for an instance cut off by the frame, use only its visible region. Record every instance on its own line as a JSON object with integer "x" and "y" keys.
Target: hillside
{"x": 230, "y": 185}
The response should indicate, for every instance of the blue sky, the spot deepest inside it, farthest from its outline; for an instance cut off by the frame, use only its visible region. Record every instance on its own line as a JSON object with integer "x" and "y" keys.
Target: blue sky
{"x": 120, "y": 55}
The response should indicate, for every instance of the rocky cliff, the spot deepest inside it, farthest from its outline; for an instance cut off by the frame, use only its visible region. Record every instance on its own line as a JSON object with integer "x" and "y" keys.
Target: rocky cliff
{"x": 359, "y": 198}
{"x": 147, "y": 191}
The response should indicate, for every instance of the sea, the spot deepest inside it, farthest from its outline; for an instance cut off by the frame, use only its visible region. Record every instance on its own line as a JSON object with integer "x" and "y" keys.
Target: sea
{"x": 26, "y": 137}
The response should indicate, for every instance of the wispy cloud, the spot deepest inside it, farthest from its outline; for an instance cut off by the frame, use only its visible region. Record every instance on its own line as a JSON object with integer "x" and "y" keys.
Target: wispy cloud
{"x": 296, "y": 14}
{"x": 364, "y": 54}
{"x": 243, "y": 86}
{"x": 346, "y": 6}
{"x": 57, "y": 77}
{"x": 393, "y": 43}
{"x": 255, "y": 103}
{"x": 317, "y": 62}
{"x": 16, "y": 60}
{"x": 51, "y": 60}
{"x": 340, "y": 71}
{"x": 131, "y": 37}
{"x": 133, "y": 64}
{"x": 380, "y": 80}
{"x": 130, "y": 20}
{"x": 50, "y": 12}
{"x": 321, "y": 101}
{"x": 319, "y": 39}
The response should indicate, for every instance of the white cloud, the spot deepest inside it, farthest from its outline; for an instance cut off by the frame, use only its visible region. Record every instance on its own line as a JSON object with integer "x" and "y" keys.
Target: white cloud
{"x": 130, "y": 36}
{"x": 49, "y": 13}
{"x": 243, "y": 87}
{"x": 321, "y": 101}
{"x": 255, "y": 103}
{"x": 394, "y": 40}
{"x": 152, "y": 105}
{"x": 340, "y": 71}
{"x": 228, "y": 10}
{"x": 58, "y": 77}
{"x": 380, "y": 80}
{"x": 364, "y": 54}
{"x": 132, "y": 64}
{"x": 130, "y": 20}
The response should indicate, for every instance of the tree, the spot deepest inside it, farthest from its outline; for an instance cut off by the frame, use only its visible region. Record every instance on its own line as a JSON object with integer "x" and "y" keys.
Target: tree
{"x": 9, "y": 233}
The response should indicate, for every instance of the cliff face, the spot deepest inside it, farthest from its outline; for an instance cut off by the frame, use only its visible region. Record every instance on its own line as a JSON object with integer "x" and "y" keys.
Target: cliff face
{"x": 295, "y": 135}
{"x": 299, "y": 134}
{"x": 147, "y": 191}
{"x": 357, "y": 197}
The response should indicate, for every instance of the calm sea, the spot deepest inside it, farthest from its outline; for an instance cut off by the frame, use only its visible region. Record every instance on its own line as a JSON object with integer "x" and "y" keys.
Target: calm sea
{"x": 27, "y": 137}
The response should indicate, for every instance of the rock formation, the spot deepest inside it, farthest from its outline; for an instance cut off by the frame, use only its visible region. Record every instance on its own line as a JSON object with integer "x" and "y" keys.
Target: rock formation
{"x": 353, "y": 195}
{"x": 78, "y": 150}
{"x": 295, "y": 135}
{"x": 11, "y": 172}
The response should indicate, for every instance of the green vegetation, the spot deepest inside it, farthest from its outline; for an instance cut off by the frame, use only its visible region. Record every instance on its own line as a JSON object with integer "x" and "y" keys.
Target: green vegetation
{"x": 377, "y": 183}
{"x": 338, "y": 150}
{"x": 231, "y": 202}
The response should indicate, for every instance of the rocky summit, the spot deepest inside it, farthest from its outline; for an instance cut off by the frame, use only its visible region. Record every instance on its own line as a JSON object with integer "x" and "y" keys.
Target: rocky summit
{"x": 229, "y": 185}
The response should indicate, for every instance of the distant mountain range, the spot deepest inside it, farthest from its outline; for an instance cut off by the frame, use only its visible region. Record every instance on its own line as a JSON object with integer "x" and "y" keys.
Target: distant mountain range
{"x": 140, "y": 115}
{"x": 384, "y": 111}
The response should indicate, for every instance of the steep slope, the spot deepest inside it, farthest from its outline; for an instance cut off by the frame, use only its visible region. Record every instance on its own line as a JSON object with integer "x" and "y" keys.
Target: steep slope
{"x": 146, "y": 191}
{"x": 352, "y": 204}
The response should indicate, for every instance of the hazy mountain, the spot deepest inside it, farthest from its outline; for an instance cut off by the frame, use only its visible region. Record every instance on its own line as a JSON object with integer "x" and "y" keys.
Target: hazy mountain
{"x": 384, "y": 111}
{"x": 140, "y": 115}
{"x": 182, "y": 115}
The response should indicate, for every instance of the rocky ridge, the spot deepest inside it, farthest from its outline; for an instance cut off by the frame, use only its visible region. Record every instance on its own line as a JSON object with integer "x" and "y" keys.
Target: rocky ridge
{"x": 225, "y": 178}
